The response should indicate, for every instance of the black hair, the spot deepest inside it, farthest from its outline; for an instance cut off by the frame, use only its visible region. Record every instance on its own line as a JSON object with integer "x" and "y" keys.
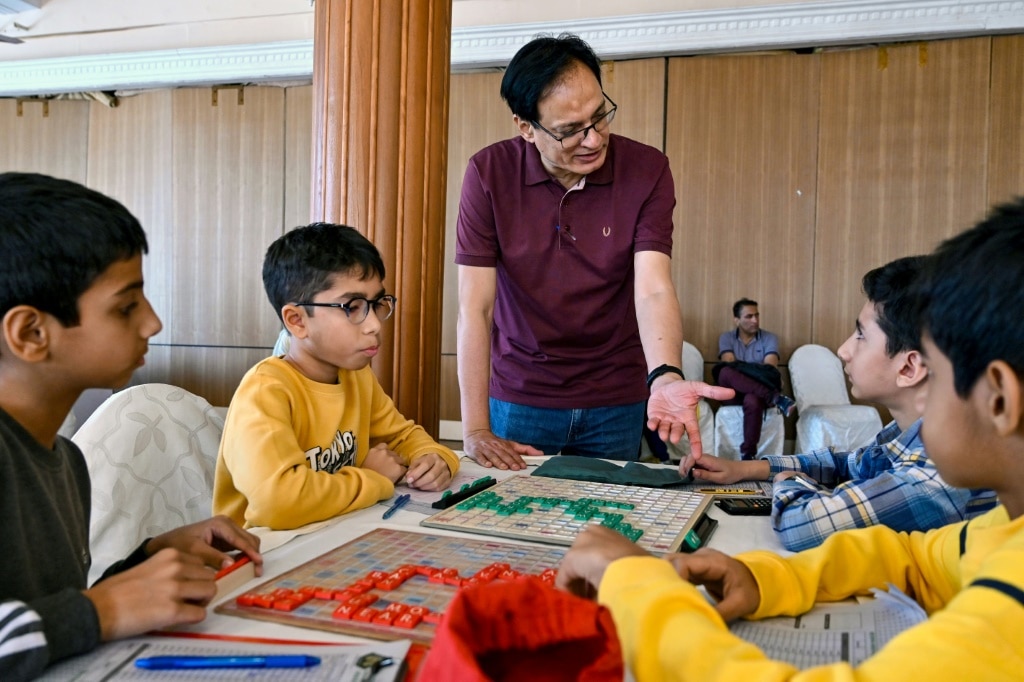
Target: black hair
{"x": 540, "y": 65}
{"x": 304, "y": 261}
{"x": 971, "y": 296}
{"x": 739, "y": 305}
{"x": 56, "y": 238}
{"x": 891, "y": 288}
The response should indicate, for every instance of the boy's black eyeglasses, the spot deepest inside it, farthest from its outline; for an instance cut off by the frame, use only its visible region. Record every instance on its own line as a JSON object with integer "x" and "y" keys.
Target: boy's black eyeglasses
{"x": 358, "y": 309}
{"x": 574, "y": 138}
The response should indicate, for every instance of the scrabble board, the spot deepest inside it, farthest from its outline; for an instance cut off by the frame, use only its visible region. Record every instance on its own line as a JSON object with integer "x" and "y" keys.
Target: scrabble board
{"x": 554, "y": 510}
{"x": 366, "y": 586}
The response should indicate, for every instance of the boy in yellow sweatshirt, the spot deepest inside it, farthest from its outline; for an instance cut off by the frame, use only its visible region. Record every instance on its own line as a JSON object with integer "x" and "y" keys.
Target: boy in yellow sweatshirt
{"x": 312, "y": 434}
{"x": 966, "y": 575}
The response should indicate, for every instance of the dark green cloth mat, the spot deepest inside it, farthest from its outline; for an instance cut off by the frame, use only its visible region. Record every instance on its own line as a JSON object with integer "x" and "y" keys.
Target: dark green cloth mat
{"x": 602, "y": 471}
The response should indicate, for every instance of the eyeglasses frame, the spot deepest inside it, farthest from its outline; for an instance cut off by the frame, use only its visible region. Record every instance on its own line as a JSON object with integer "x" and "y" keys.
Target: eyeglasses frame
{"x": 346, "y": 307}
{"x": 586, "y": 130}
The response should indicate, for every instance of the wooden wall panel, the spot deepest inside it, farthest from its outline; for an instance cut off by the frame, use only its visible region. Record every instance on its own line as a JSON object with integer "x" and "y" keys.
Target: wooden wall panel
{"x": 55, "y": 144}
{"x": 210, "y": 372}
{"x": 902, "y": 163}
{"x": 1006, "y": 102}
{"x": 129, "y": 159}
{"x": 638, "y": 87}
{"x": 228, "y": 169}
{"x": 742, "y": 137}
{"x": 477, "y": 117}
{"x": 450, "y": 408}
{"x": 298, "y": 156}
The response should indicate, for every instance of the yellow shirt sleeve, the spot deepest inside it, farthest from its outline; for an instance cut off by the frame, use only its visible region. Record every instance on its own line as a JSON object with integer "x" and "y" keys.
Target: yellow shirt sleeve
{"x": 670, "y": 632}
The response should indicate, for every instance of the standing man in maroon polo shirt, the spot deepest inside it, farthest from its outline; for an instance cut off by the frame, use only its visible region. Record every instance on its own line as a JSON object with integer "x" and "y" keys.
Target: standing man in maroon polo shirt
{"x": 566, "y": 301}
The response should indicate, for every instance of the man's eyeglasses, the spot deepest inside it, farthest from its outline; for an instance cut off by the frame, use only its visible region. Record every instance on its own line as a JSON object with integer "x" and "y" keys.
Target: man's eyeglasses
{"x": 573, "y": 139}
{"x": 358, "y": 309}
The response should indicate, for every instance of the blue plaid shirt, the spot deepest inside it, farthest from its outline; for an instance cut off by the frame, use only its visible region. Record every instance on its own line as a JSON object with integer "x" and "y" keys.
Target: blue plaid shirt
{"x": 891, "y": 482}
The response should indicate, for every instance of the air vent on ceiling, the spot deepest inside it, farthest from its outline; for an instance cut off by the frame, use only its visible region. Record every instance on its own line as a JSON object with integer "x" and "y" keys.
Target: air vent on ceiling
{"x": 18, "y": 6}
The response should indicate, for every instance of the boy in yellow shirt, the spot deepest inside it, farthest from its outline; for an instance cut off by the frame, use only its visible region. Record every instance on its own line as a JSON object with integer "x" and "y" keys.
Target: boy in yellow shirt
{"x": 312, "y": 434}
{"x": 966, "y": 575}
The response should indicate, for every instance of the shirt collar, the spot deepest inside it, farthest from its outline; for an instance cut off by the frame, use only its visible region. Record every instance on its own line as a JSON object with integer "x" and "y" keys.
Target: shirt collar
{"x": 907, "y": 441}
{"x": 536, "y": 174}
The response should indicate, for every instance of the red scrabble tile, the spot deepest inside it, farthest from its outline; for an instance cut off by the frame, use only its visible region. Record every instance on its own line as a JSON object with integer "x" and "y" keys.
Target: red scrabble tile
{"x": 345, "y": 611}
{"x": 385, "y": 618}
{"x": 300, "y": 597}
{"x": 363, "y": 599}
{"x": 286, "y": 604}
{"x": 486, "y": 574}
{"x": 407, "y": 621}
{"x": 247, "y": 599}
{"x": 344, "y": 595}
{"x": 366, "y": 614}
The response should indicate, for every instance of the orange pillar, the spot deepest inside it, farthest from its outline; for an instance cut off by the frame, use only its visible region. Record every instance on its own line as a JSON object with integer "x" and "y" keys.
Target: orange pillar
{"x": 380, "y": 137}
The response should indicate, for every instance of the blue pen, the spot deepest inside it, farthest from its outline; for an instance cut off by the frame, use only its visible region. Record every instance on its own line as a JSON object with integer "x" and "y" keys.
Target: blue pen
{"x": 398, "y": 504}
{"x": 198, "y": 662}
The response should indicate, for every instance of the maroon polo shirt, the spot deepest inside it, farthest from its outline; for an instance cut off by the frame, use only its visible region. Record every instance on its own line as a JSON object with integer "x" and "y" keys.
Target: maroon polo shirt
{"x": 565, "y": 332}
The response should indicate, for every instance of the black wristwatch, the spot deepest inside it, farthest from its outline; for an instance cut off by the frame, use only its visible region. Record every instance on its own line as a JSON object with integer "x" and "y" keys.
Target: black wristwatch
{"x": 662, "y": 369}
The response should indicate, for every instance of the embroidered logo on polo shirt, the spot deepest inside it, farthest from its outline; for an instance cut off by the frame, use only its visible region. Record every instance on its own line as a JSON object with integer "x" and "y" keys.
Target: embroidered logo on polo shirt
{"x": 606, "y": 231}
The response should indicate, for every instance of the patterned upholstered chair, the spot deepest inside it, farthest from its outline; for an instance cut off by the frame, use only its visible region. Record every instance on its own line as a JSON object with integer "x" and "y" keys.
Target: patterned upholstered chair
{"x": 151, "y": 451}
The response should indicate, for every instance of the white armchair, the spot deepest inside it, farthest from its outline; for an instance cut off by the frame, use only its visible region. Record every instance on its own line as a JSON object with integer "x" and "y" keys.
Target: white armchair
{"x": 826, "y": 417}
{"x": 729, "y": 432}
{"x": 151, "y": 451}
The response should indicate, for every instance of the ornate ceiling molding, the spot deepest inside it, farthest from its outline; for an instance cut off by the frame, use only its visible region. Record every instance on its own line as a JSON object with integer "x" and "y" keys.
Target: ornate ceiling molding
{"x": 679, "y": 33}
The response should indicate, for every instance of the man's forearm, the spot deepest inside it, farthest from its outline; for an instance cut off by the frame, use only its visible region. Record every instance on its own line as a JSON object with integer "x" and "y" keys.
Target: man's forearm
{"x": 474, "y": 368}
{"x": 661, "y": 330}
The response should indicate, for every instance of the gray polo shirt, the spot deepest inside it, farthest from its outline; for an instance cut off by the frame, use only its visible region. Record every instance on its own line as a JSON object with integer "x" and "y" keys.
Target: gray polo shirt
{"x": 760, "y": 347}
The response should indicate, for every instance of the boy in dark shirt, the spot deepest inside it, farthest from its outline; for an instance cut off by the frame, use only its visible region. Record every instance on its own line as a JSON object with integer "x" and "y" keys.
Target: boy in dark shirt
{"x": 74, "y": 317}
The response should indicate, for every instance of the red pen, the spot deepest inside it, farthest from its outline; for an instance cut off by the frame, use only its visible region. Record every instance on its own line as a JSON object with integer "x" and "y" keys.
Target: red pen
{"x": 239, "y": 562}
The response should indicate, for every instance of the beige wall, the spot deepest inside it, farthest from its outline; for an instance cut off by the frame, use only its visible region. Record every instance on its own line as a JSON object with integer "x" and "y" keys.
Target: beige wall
{"x": 795, "y": 173}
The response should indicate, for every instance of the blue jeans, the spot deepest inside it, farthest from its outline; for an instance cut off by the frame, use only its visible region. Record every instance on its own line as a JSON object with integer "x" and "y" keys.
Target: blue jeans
{"x": 607, "y": 432}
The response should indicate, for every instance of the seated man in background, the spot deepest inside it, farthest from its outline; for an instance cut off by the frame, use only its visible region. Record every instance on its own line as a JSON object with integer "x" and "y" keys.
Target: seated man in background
{"x": 311, "y": 435}
{"x": 966, "y": 575}
{"x": 890, "y": 482}
{"x": 748, "y": 361}
{"x": 75, "y": 317}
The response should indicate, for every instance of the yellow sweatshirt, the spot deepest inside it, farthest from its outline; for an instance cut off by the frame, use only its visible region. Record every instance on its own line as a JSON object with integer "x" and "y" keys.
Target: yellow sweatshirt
{"x": 292, "y": 447}
{"x": 968, "y": 576}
